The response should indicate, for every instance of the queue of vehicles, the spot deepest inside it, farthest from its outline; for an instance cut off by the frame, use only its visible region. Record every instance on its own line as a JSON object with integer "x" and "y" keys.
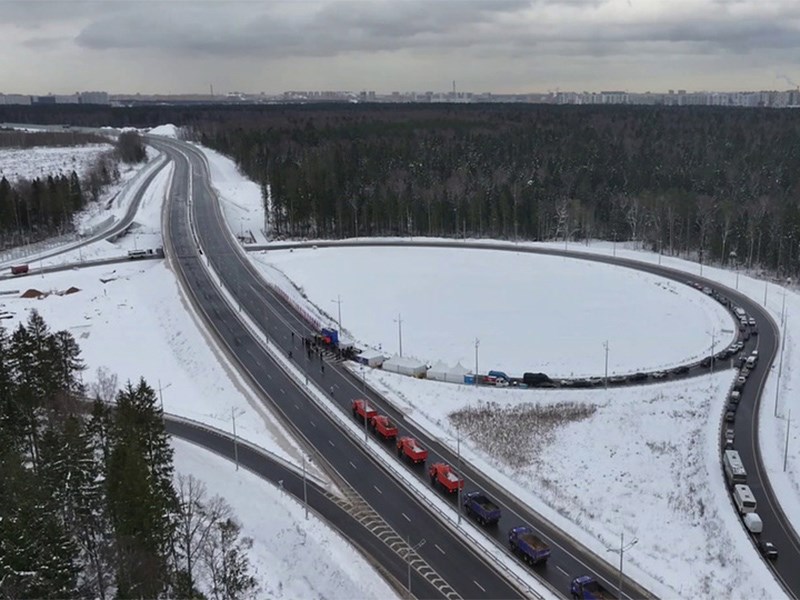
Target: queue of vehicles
{"x": 523, "y": 541}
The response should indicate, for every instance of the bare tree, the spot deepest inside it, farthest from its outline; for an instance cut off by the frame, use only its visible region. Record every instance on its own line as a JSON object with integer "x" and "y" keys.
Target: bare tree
{"x": 226, "y": 560}
{"x": 106, "y": 386}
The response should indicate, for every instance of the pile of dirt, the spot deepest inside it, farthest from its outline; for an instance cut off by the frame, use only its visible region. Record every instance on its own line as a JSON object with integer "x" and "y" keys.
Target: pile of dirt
{"x": 70, "y": 290}
{"x": 33, "y": 293}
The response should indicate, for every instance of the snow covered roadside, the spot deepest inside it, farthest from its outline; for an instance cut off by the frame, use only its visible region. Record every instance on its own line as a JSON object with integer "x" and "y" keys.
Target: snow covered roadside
{"x": 42, "y": 161}
{"x": 291, "y": 557}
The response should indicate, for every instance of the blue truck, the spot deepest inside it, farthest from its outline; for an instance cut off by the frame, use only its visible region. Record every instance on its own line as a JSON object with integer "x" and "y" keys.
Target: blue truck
{"x": 479, "y": 506}
{"x": 588, "y": 588}
{"x": 527, "y": 545}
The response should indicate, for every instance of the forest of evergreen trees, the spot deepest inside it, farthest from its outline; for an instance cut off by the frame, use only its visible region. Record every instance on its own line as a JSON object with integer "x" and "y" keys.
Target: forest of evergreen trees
{"x": 89, "y": 505}
{"x": 32, "y": 210}
{"x": 710, "y": 183}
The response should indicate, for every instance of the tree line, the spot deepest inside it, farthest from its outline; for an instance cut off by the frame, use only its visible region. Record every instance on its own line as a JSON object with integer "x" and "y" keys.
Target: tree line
{"x": 709, "y": 183}
{"x": 35, "y": 209}
{"x": 90, "y": 505}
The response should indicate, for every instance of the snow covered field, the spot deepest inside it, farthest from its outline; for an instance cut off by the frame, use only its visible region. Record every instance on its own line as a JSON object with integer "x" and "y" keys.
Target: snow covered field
{"x": 28, "y": 163}
{"x": 530, "y": 312}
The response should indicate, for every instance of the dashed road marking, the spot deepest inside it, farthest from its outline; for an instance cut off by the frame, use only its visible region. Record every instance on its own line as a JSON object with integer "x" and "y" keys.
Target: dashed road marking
{"x": 331, "y": 443}
{"x": 439, "y": 549}
{"x": 562, "y": 570}
{"x": 483, "y": 589}
{"x": 406, "y": 517}
{"x": 312, "y": 422}
{"x": 352, "y": 465}
{"x": 377, "y": 488}
{"x": 283, "y": 391}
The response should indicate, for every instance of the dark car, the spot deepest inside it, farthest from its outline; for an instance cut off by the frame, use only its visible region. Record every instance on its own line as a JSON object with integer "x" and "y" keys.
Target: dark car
{"x": 617, "y": 379}
{"x": 705, "y": 362}
{"x": 638, "y": 377}
{"x": 680, "y": 369}
{"x": 768, "y": 550}
{"x": 730, "y": 416}
{"x": 754, "y": 331}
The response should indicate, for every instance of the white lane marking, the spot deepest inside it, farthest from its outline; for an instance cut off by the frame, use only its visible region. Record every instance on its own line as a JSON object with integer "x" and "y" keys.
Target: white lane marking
{"x": 562, "y": 570}
{"x": 310, "y": 421}
{"x": 269, "y": 376}
{"x": 331, "y": 443}
{"x": 352, "y": 465}
{"x": 406, "y": 517}
{"x": 483, "y": 589}
{"x": 439, "y": 549}
{"x": 379, "y": 491}
{"x": 283, "y": 391}
{"x": 298, "y": 408}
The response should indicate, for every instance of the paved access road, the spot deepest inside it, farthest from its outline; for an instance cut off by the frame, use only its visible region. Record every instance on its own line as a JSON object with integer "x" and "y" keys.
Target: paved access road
{"x": 464, "y": 570}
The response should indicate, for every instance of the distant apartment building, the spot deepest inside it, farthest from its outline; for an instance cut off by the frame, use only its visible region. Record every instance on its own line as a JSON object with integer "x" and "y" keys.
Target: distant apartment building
{"x": 15, "y": 99}
{"x": 93, "y": 97}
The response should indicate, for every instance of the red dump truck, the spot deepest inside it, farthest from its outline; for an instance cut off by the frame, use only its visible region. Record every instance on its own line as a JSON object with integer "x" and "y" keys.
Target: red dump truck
{"x": 383, "y": 425}
{"x": 362, "y": 411}
{"x": 444, "y": 475}
{"x": 19, "y": 269}
{"x": 408, "y": 447}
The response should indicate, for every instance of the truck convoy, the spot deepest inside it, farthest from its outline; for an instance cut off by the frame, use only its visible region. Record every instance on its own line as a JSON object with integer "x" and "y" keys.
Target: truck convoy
{"x": 383, "y": 425}
{"x": 444, "y": 475}
{"x": 408, "y": 447}
{"x": 588, "y": 588}
{"x": 478, "y": 505}
{"x": 527, "y": 545}
{"x": 362, "y": 411}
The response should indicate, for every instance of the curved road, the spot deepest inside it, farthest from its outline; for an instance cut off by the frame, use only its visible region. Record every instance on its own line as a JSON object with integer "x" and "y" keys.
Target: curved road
{"x": 466, "y": 572}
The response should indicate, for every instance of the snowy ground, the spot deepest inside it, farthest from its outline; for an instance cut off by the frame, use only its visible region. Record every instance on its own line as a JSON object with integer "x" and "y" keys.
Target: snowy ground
{"x": 292, "y": 557}
{"x": 691, "y": 543}
{"x": 530, "y": 312}
{"x": 28, "y": 163}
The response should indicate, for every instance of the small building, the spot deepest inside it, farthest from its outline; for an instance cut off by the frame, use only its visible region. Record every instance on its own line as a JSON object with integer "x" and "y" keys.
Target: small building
{"x": 370, "y": 358}
{"x": 406, "y": 366}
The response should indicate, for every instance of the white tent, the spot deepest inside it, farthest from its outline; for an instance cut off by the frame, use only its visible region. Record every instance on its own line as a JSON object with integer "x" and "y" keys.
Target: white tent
{"x": 370, "y": 357}
{"x": 441, "y": 372}
{"x": 405, "y": 366}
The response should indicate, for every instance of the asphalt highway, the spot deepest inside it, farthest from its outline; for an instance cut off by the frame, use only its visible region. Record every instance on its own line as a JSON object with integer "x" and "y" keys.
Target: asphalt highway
{"x": 462, "y": 567}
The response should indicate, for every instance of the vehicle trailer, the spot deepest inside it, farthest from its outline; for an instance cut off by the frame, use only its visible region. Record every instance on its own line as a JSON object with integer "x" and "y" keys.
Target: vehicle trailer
{"x": 408, "y": 447}
{"x": 478, "y": 505}
{"x": 588, "y": 588}
{"x": 444, "y": 475}
{"x": 19, "y": 269}
{"x": 526, "y": 544}
{"x": 362, "y": 411}
{"x": 383, "y": 425}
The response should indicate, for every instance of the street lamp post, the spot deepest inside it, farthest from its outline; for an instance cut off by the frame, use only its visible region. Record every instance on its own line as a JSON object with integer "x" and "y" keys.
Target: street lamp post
{"x": 458, "y": 462}
{"x": 605, "y": 345}
{"x": 408, "y": 557}
{"x": 780, "y": 370}
{"x": 477, "y": 343}
{"x": 235, "y": 442}
{"x": 711, "y": 355}
{"x": 786, "y": 448}
{"x": 338, "y": 301}
{"x": 622, "y": 549}
{"x": 399, "y": 321}
{"x": 160, "y": 397}
{"x": 305, "y": 492}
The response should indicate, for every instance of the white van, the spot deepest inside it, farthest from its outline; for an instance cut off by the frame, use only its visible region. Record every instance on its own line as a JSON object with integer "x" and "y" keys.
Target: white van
{"x": 744, "y": 499}
{"x": 753, "y": 523}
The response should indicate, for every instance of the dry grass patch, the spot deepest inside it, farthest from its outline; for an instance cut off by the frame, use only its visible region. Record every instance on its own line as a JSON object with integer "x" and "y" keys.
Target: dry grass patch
{"x": 515, "y": 435}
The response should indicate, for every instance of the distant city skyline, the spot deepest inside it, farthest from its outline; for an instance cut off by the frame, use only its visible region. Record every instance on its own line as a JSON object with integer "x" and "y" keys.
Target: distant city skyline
{"x": 503, "y": 46}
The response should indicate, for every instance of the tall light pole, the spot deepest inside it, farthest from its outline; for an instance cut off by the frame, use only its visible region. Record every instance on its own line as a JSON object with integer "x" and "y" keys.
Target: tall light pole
{"x": 766, "y": 283}
{"x": 477, "y": 343}
{"x": 338, "y": 302}
{"x": 305, "y": 492}
{"x": 408, "y": 557}
{"x": 235, "y": 443}
{"x": 786, "y": 448}
{"x": 160, "y": 397}
{"x": 605, "y": 345}
{"x": 711, "y": 355}
{"x": 458, "y": 462}
{"x": 622, "y": 549}
{"x": 780, "y": 370}
{"x": 399, "y": 321}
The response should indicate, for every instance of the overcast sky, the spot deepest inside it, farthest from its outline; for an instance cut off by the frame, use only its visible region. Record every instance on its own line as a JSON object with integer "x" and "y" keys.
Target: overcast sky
{"x": 172, "y": 46}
